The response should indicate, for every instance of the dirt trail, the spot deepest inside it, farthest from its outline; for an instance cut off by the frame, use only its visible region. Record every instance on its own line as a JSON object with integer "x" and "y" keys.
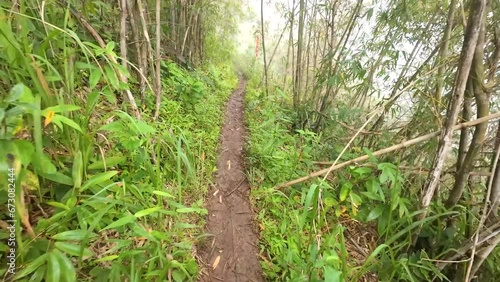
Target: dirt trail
{"x": 233, "y": 249}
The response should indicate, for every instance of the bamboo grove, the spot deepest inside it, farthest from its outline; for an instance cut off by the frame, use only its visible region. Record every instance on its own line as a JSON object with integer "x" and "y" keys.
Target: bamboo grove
{"x": 415, "y": 84}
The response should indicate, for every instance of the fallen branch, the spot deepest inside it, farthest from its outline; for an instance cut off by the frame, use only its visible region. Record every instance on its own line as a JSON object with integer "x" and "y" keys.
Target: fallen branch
{"x": 489, "y": 233}
{"x": 416, "y": 170}
{"x": 388, "y": 150}
{"x": 361, "y": 131}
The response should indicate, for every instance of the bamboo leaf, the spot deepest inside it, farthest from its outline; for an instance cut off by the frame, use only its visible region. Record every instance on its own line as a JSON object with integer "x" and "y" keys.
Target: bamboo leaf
{"x": 73, "y": 235}
{"x": 77, "y": 171}
{"x": 72, "y": 249}
{"x": 98, "y": 179}
{"x": 122, "y": 221}
{"x": 53, "y": 273}
{"x": 146, "y": 212}
{"x": 32, "y": 266}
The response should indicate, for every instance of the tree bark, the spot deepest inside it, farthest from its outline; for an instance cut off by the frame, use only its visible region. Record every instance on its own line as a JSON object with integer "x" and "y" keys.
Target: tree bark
{"x": 393, "y": 148}
{"x": 495, "y": 188}
{"x": 298, "y": 66}
{"x": 476, "y": 77}
{"x": 263, "y": 44}
{"x": 443, "y": 54}
{"x": 469, "y": 46}
{"x": 158, "y": 60}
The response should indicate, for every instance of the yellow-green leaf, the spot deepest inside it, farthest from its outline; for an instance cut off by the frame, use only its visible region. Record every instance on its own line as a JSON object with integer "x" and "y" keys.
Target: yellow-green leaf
{"x": 146, "y": 212}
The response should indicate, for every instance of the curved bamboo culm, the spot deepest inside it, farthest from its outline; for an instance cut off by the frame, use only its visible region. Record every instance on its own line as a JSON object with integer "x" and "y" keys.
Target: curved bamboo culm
{"x": 387, "y": 150}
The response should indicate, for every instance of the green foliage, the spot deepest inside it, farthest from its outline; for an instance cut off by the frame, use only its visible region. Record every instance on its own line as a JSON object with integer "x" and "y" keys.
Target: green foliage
{"x": 301, "y": 226}
{"x": 100, "y": 194}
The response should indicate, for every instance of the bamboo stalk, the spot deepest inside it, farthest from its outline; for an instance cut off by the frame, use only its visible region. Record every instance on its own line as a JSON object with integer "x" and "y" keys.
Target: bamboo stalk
{"x": 102, "y": 44}
{"x": 387, "y": 150}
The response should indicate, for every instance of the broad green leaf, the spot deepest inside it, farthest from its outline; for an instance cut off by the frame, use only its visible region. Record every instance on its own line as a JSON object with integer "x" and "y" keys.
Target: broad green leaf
{"x": 115, "y": 126}
{"x": 58, "y": 177}
{"x": 32, "y": 266}
{"x": 345, "y": 190}
{"x": 68, "y": 272}
{"x": 20, "y": 92}
{"x": 120, "y": 222}
{"x": 15, "y": 111}
{"x": 355, "y": 198}
{"x": 77, "y": 170}
{"x": 82, "y": 65}
{"x": 111, "y": 76}
{"x": 110, "y": 46}
{"x": 145, "y": 128}
{"x": 38, "y": 275}
{"x": 73, "y": 235}
{"x": 44, "y": 164}
{"x": 60, "y": 109}
{"x": 375, "y": 213}
{"x": 182, "y": 225}
{"x": 164, "y": 194}
{"x": 67, "y": 121}
{"x": 332, "y": 275}
{"x": 330, "y": 202}
{"x": 58, "y": 205}
{"x": 363, "y": 170}
{"x": 73, "y": 249}
{"x": 310, "y": 202}
{"x": 107, "y": 258}
{"x": 53, "y": 273}
{"x": 92, "y": 99}
{"x": 372, "y": 158}
{"x": 146, "y": 212}
{"x": 188, "y": 210}
{"x": 95, "y": 76}
{"x": 178, "y": 275}
{"x": 26, "y": 150}
{"x": 98, "y": 179}
{"x": 110, "y": 161}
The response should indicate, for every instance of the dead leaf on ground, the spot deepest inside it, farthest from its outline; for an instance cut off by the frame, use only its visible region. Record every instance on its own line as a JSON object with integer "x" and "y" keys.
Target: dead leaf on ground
{"x": 216, "y": 262}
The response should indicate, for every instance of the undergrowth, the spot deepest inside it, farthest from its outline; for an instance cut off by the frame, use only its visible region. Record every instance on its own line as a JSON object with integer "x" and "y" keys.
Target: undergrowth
{"x": 307, "y": 229}
{"x": 98, "y": 195}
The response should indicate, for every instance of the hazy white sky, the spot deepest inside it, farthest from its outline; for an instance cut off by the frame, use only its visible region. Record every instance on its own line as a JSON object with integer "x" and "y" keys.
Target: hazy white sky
{"x": 246, "y": 37}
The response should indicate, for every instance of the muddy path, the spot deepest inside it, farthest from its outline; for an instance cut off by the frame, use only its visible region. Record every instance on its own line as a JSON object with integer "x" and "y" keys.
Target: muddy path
{"x": 231, "y": 252}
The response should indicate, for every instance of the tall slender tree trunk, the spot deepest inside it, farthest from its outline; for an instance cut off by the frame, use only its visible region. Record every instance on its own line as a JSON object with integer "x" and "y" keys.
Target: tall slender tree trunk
{"x": 469, "y": 46}
{"x": 123, "y": 54}
{"x": 263, "y": 45}
{"x": 443, "y": 54}
{"x": 137, "y": 45}
{"x": 298, "y": 66}
{"x": 158, "y": 59}
{"x": 476, "y": 77}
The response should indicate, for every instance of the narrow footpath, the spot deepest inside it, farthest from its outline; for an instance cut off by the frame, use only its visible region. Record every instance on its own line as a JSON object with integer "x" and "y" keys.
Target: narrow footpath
{"x": 232, "y": 253}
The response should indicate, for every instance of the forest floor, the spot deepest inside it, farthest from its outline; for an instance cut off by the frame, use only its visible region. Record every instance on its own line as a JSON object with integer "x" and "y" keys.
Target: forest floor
{"x": 231, "y": 253}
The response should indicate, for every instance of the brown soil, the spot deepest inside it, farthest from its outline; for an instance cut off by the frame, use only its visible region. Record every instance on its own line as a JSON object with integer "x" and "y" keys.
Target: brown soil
{"x": 231, "y": 254}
